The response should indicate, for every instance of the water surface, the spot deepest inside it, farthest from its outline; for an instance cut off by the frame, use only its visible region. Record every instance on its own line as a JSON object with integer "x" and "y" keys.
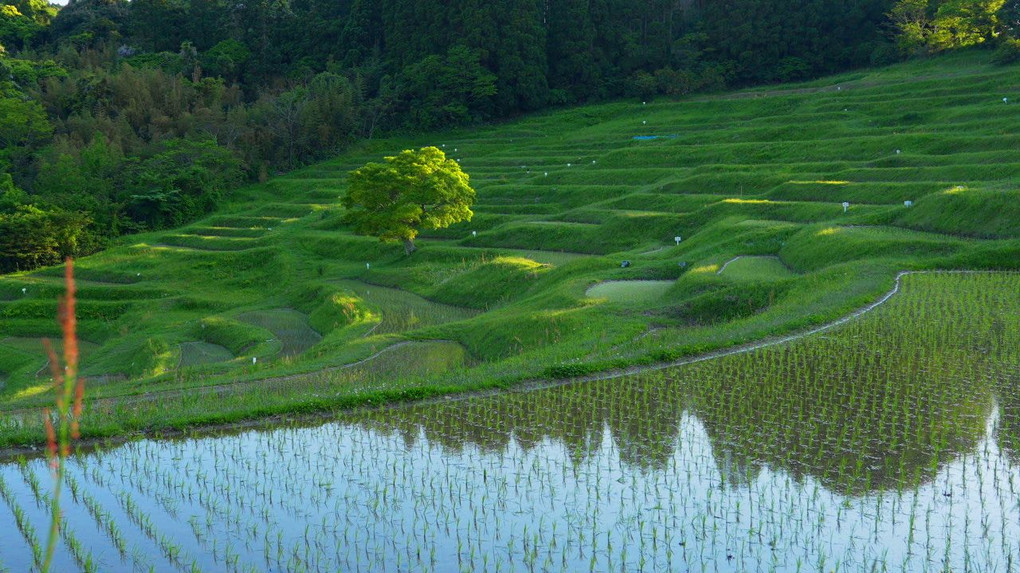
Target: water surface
{"x": 890, "y": 444}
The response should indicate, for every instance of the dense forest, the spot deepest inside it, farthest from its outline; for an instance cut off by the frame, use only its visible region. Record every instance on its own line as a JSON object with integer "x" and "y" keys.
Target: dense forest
{"x": 119, "y": 117}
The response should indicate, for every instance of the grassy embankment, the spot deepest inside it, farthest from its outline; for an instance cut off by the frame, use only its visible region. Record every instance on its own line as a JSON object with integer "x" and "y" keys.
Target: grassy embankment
{"x": 268, "y": 306}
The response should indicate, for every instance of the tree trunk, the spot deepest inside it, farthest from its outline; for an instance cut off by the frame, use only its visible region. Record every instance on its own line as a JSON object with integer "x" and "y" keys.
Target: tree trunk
{"x": 409, "y": 246}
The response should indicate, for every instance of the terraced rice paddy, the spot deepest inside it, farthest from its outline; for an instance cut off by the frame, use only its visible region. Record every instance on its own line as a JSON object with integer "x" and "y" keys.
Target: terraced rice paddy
{"x": 275, "y": 287}
{"x": 289, "y": 327}
{"x": 402, "y": 311}
{"x": 195, "y": 353}
{"x": 889, "y": 443}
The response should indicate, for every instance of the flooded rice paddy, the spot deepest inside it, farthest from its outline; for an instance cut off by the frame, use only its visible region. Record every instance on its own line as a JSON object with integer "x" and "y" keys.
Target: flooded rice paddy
{"x": 891, "y": 443}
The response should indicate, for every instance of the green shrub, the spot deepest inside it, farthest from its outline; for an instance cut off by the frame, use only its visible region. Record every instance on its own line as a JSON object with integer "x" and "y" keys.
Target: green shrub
{"x": 1008, "y": 52}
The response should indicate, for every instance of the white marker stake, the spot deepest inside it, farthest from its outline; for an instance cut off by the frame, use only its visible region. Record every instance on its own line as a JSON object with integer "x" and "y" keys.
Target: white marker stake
{"x": 678, "y": 238}
{"x": 846, "y": 205}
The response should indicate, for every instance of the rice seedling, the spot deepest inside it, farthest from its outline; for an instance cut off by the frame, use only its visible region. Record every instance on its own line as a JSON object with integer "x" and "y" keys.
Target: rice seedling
{"x": 24, "y": 527}
{"x": 289, "y": 327}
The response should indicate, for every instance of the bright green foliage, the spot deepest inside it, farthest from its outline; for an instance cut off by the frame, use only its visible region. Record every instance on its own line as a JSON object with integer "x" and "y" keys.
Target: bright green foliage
{"x": 23, "y": 124}
{"x": 185, "y": 180}
{"x": 22, "y": 20}
{"x": 181, "y": 180}
{"x": 412, "y": 191}
{"x": 911, "y": 19}
{"x": 947, "y": 24}
{"x": 962, "y": 23}
{"x": 10, "y": 195}
{"x": 30, "y": 237}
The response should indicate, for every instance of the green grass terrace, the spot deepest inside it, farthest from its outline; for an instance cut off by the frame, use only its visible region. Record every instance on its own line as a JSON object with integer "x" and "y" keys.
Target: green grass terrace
{"x": 795, "y": 206}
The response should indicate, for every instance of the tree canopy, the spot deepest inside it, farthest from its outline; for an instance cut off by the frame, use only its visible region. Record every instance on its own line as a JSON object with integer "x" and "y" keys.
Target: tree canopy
{"x": 938, "y": 25}
{"x": 407, "y": 193}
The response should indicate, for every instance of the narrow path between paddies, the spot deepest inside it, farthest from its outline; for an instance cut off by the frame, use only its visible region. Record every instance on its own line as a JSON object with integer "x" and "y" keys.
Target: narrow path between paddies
{"x": 524, "y": 386}
{"x": 727, "y": 263}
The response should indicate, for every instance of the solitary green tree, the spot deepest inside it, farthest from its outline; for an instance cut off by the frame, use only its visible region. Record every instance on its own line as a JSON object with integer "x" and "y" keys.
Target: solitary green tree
{"x": 409, "y": 192}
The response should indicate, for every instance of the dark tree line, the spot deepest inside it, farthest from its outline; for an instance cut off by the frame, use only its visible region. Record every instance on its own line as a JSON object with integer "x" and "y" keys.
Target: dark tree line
{"x": 120, "y": 116}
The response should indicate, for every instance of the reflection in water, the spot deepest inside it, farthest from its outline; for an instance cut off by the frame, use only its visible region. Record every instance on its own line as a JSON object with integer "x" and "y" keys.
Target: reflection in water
{"x": 641, "y": 414}
{"x": 364, "y": 496}
{"x": 873, "y": 447}
{"x": 1008, "y": 431}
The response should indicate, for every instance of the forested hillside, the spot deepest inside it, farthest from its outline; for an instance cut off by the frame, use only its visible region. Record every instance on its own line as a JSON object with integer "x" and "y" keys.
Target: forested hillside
{"x": 118, "y": 116}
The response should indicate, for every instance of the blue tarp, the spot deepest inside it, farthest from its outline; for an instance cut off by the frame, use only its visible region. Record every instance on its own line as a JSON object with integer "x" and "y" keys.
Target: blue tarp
{"x": 650, "y": 137}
